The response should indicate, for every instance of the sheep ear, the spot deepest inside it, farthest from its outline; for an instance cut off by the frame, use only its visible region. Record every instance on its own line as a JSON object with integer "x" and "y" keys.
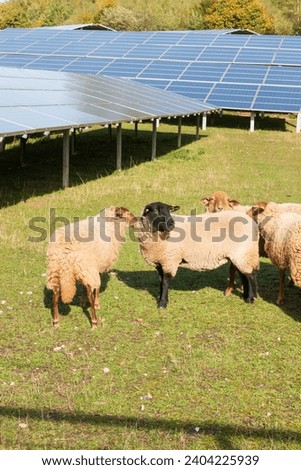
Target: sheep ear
{"x": 233, "y": 202}
{"x": 173, "y": 208}
{"x": 261, "y": 204}
{"x": 254, "y": 212}
{"x": 120, "y": 212}
{"x": 205, "y": 201}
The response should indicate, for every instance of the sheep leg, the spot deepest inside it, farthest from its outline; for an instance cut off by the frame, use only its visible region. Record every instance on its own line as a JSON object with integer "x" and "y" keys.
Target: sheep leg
{"x": 96, "y": 302}
{"x": 280, "y": 297}
{"x": 55, "y": 307}
{"x": 84, "y": 297}
{"x": 161, "y": 274}
{"x": 253, "y": 282}
{"x": 231, "y": 283}
{"x": 164, "y": 284}
{"x": 91, "y": 297}
{"x": 249, "y": 287}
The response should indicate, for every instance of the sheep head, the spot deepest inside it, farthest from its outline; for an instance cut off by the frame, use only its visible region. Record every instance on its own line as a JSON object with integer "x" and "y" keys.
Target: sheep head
{"x": 219, "y": 201}
{"x": 157, "y": 217}
{"x": 123, "y": 214}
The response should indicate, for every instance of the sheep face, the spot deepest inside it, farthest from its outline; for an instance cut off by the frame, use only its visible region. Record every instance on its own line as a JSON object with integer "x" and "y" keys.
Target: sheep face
{"x": 218, "y": 201}
{"x": 125, "y": 215}
{"x": 157, "y": 216}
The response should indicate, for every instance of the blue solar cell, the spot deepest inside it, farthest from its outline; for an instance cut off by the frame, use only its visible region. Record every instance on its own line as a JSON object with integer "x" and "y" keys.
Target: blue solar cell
{"x": 162, "y": 84}
{"x": 112, "y": 50}
{"x": 291, "y": 42}
{"x": 165, "y": 37}
{"x": 235, "y": 40}
{"x": 187, "y": 53}
{"x": 192, "y": 38}
{"x": 190, "y": 89}
{"x": 77, "y": 49}
{"x": 255, "y": 56}
{"x": 126, "y": 67}
{"x": 17, "y": 60}
{"x": 41, "y": 48}
{"x": 287, "y": 57}
{"x": 266, "y": 42}
{"x": 284, "y": 76}
{"x": 146, "y": 51}
{"x": 87, "y": 65}
{"x": 232, "y": 96}
{"x": 163, "y": 69}
{"x": 13, "y": 46}
{"x": 238, "y": 73}
{"x": 218, "y": 54}
{"x": 204, "y": 72}
{"x": 129, "y": 37}
{"x": 48, "y": 63}
{"x": 278, "y": 99}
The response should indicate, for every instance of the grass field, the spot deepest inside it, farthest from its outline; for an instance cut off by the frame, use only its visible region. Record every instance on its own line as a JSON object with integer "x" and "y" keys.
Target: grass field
{"x": 209, "y": 372}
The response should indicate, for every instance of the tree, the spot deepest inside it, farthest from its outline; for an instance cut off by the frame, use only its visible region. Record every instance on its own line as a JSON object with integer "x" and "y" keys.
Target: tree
{"x": 291, "y": 10}
{"x": 243, "y": 14}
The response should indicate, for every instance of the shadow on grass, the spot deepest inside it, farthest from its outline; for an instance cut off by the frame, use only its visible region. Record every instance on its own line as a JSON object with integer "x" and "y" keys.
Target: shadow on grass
{"x": 65, "y": 309}
{"x": 222, "y": 433}
{"x": 187, "y": 280}
{"x": 241, "y": 120}
{"x": 95, "y": 157}
{"x": 268, "y": 282}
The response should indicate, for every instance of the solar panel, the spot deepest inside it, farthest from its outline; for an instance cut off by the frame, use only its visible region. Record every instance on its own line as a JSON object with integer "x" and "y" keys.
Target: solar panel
{"x": 250, "y": 55}
{"x": 207, "y": 72}
{"x": 218, "y": 54}
{"x": 37, "y": 100}
{"x": 185, "y": 53}
{"x": 233, "y": 96}
{"x": 237, "y": 73}
{"x": 125, "y": 67}
{"x": 163, "y": 69}
{"x": 193, "y": 63}
{"x": 278, "y": 98}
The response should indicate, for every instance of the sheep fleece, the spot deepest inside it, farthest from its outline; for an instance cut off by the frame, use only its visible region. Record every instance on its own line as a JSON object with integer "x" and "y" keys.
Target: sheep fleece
{"x": 193, "y": 247}
{"x": 282, "y": 236}
{"x": 82, "y": 250}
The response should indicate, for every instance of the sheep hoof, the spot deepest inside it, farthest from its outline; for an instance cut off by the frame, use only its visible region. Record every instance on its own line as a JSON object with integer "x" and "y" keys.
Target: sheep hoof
{"x": 161, "y": 305}
{"x": 56, "y": 324}
{"x": 228, "y": 292}
{"x": 279, "y": 302}
{"x": 94, "y": 325}
{"x": 249, "y": 301}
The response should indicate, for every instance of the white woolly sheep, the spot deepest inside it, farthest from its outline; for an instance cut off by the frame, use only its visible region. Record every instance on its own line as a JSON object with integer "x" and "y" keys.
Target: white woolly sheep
{"x": 202, "y": 242}
{"x": 221, "y": 201}
{"x": 82, "y": 251}
{"x": 281, "y": 231}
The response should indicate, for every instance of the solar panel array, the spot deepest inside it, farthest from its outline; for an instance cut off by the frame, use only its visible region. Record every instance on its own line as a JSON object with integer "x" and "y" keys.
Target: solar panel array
{"x": 35, "y": 100}
{"x": 230, "y": 71}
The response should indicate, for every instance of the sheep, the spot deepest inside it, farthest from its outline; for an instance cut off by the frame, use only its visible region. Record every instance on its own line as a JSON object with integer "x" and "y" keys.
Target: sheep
{"x": 82, "y": 251}
{"x": 281, "y": 231}
{"x": 202, "y": 242}
{"x": 219, "y": 201}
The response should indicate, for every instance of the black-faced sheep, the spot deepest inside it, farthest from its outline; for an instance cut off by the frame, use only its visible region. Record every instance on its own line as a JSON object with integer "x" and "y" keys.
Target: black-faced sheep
{"x": 202, "y": 242}
{"x": 281, "y": 231}
{"x": 81, "y": 252}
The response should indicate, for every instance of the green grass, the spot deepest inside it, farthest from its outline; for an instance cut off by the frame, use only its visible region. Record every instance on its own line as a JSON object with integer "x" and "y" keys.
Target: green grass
{"x": 213, "y": 373}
